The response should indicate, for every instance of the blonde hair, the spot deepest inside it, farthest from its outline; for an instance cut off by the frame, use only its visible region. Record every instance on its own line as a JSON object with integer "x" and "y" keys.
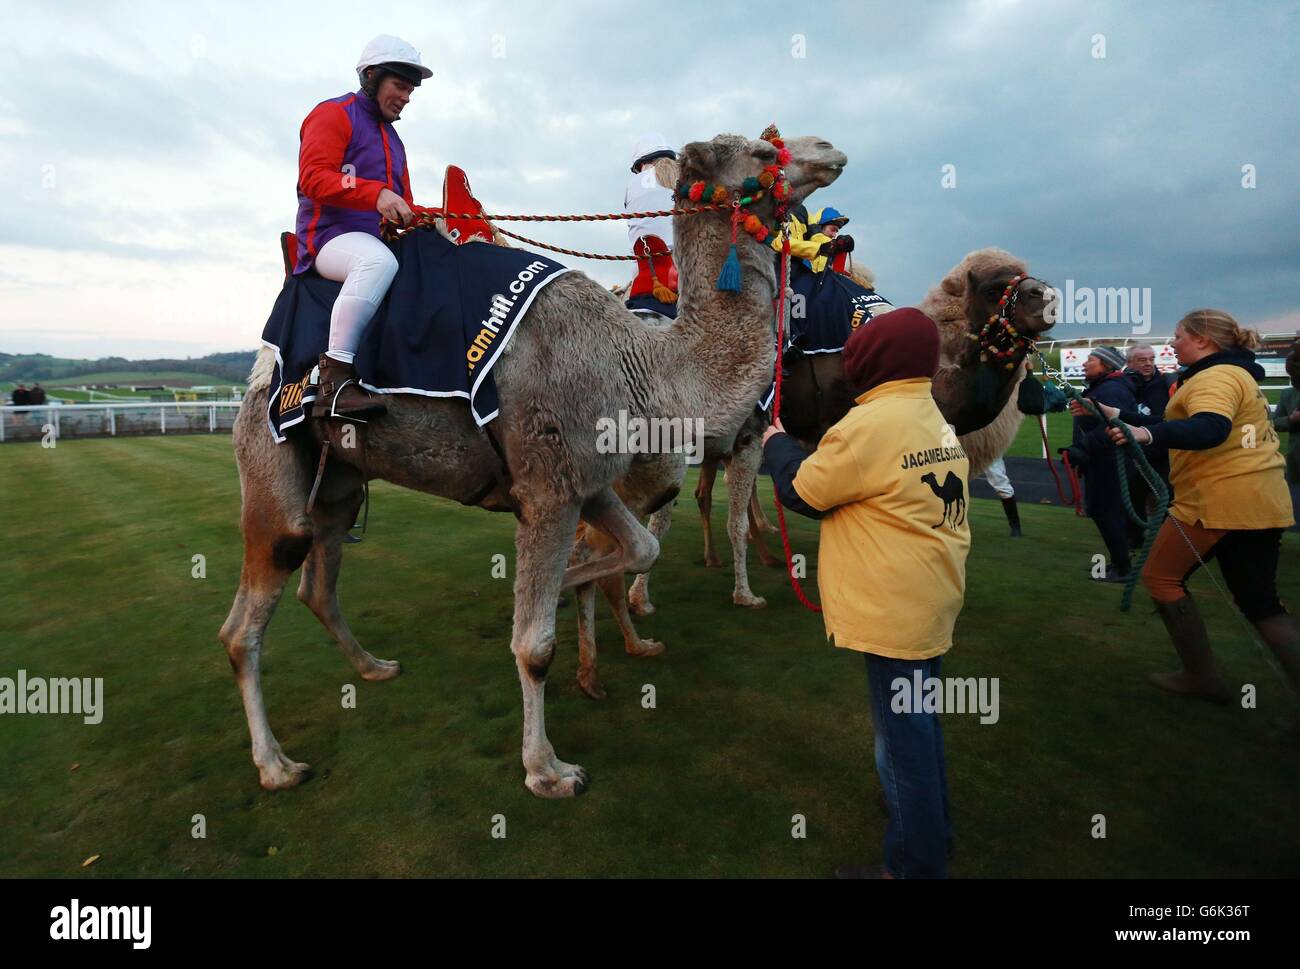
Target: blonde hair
{"x": 1220, "y": 327}
{"x": 666, "y": 172}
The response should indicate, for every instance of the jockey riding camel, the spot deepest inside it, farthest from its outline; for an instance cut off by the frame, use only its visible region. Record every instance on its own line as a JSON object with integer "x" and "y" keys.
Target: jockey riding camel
{"x": 815, "y": 238}
{"x": 655, "y": 287}
{"x": 352, "y": 176}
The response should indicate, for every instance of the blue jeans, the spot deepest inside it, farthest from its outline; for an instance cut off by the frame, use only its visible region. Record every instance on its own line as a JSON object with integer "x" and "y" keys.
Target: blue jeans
{"x": 910, "y": 761}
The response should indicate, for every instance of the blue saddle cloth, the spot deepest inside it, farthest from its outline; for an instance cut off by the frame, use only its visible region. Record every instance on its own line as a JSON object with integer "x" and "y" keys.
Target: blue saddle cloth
{"x": 449, "y": 313}
{"x": 827, "y": 308}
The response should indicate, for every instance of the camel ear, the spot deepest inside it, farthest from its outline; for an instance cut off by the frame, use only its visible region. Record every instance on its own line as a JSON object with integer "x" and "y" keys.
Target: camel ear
{"x": 952, "y": 285}
{"x": 698, "y": 161}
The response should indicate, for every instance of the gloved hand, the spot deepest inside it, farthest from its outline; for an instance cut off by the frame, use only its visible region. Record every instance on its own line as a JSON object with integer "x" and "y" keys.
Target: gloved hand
{"x": 1077, "y": 455}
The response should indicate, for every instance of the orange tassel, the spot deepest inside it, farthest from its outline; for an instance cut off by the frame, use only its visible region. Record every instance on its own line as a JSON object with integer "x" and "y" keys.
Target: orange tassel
{"x": 663, "y": 293}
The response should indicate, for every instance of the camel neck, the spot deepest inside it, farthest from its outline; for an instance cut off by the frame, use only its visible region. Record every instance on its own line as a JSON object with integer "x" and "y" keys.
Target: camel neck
{"x": 728, "y": 341}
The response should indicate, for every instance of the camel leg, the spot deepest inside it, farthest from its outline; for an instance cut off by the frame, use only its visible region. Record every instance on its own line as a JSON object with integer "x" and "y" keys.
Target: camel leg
{"x": 637, "y": 548}
{"x": 758, "y": 522}
{"x": 277, "y": 537}
{"x": 543, "y": 543}
{"x": 588, "y": 679}
{"x": 318, "y": 588}
{"x": 742, "y": 469}
{"x": 704, "y": 500}
{"x": 639, "y": 597}
{"x": 615, "y": 590}
{"x": 756, "y": 525}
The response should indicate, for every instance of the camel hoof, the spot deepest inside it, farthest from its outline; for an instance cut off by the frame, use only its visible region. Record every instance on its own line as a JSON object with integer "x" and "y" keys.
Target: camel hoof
{"x": 749, "y": 601}
{"x": 713, "y": 562}
{"x": 644, "y": 647}
{"x": 571, "y": 781}
{"x": 591, "y": 686}
{"x": 382, "y": 669}
{"x": 640, "y": 607}
{"x": 282, "y": 773}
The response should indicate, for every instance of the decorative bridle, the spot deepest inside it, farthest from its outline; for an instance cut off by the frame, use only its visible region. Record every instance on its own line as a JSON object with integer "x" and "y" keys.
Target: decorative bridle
{"x": 770, "y": 181}
{"x": 998, "y": 339}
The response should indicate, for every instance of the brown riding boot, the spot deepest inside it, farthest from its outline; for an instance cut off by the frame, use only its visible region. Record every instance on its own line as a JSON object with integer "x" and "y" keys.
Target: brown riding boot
{"x": 341, "y": 395}
{"x": 1282, "y": 634}
{"x": 1199, "y": 676}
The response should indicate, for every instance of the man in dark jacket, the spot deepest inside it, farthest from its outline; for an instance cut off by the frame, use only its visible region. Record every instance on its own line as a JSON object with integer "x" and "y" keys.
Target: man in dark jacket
{"x": 1151, "y": 388}
{"x": 1091, "y": 451}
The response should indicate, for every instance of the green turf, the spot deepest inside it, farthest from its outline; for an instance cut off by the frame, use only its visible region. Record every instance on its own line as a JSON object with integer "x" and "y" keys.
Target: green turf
{"x": 757, "y": 719}
{"x": 171, "y": 378}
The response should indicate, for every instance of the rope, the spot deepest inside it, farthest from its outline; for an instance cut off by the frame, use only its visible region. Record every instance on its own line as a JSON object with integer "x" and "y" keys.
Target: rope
{"x": 426, "y": 218}
{"x": 567, "y": 252}
{"x": 1074, "y": 498}
{"x": 1150, "y": 525}
{"x": 776, "y": 416}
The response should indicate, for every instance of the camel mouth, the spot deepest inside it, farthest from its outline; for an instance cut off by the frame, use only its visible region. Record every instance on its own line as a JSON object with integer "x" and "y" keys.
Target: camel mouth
{"x": 814, "y": 163}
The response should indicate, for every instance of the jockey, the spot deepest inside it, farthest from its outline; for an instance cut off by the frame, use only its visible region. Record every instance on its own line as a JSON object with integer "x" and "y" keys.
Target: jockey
{"x": 352, "y": 175}
{"x": 649, "y": 190}
{"x": 808, "y": 242}
{"x": 833, "y": 248}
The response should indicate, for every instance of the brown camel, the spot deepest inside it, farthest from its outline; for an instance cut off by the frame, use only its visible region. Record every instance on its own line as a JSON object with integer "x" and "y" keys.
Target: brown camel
{"x": 579, "y": 357}
{"x": 815, "y": 395}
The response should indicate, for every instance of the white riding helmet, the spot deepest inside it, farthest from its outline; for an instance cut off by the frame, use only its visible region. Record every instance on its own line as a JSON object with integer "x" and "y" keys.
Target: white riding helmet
{"x": 394, "y": 54}
{"x": 652, "y": 146}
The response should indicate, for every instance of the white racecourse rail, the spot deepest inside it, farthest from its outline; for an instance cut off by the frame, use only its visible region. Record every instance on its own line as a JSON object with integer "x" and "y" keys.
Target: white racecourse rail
{"x": 53, "y": 421}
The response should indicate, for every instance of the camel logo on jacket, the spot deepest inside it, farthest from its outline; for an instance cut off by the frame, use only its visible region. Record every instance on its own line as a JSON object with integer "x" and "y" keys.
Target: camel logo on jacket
{"x": 953, "y": 494}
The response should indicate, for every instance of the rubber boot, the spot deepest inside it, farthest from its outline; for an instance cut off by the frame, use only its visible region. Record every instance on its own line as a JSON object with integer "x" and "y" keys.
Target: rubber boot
{"x": 341, "y": 395}
{"x": 1282, "y": 634}
{"x": 1199, "y": 676}
{"x": 1013, "y": 515}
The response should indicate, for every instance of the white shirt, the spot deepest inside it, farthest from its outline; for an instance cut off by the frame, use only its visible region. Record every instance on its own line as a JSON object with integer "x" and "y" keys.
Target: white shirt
{"x": 645, "y": 194}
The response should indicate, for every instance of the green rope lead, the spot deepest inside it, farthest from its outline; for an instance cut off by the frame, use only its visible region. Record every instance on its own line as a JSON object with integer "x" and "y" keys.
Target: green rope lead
{"x": 1150, "y": 526}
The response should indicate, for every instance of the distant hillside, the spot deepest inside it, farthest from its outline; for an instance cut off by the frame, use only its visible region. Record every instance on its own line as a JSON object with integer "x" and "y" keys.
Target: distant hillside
{"x": 29, "y": 367}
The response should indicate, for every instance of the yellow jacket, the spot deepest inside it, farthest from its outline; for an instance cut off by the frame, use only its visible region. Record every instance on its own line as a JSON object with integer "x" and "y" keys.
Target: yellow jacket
{"x": 1240, "y": 484}
{"x": 891, "y": 567}
{"x": 803, "y": 245}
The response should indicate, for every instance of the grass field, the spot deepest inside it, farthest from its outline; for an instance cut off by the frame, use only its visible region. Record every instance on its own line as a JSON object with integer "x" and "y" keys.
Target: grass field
{"x": 757, "y": 719}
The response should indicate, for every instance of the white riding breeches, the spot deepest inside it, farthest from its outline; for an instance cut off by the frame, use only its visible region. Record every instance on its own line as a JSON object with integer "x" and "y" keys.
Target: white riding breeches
{"x": 996, "y": 475}
{"x": 365, "y": 267}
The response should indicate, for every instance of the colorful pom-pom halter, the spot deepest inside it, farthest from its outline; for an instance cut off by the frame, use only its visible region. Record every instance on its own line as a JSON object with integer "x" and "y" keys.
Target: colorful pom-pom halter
{"x": 770, "y": 181}
{"x": 999, "y": 340}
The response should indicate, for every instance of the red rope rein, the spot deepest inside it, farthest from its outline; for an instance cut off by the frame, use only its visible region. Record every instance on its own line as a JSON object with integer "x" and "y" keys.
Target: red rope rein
{"x": 1074, "y": 498}
{"x": 776, "y": 416}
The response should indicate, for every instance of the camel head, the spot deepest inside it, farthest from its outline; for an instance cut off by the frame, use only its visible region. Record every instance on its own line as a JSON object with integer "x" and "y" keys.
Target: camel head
{"x": 730, "y": 159}
{"x": 987, "y": 276}
{"x": 814, "y": 163}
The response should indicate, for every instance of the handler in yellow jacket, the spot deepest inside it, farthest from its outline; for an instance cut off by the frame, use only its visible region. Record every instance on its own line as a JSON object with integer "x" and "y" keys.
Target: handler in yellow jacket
{"x": 889, "y": 483}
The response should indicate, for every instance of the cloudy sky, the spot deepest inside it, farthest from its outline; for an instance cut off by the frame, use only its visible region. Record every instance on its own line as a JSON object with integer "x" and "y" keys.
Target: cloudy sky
{"x": 151, "y": 149}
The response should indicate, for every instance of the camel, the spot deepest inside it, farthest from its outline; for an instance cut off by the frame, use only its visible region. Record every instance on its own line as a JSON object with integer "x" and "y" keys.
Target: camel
{"x": 815, "y": 395}
{"x": 953, "y": 495}
{"x": 579, "y": 356}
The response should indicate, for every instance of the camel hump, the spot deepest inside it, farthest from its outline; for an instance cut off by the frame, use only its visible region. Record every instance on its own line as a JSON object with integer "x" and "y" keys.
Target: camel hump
{"x": 458, "y": 199}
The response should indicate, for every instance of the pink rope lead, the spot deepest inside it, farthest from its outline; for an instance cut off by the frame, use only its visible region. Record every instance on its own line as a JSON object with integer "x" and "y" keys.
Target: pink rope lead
{"x": 776, "y": 417}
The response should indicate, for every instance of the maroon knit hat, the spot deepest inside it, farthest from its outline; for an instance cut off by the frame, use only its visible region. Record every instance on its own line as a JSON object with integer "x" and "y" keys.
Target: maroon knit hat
{"x": 898, "y": 345}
